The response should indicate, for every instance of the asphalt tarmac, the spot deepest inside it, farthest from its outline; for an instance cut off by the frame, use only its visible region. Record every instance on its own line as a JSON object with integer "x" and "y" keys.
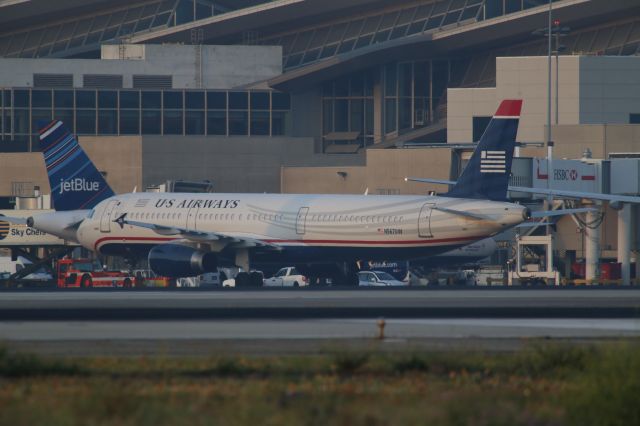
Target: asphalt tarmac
{"x": 308, "y": 321}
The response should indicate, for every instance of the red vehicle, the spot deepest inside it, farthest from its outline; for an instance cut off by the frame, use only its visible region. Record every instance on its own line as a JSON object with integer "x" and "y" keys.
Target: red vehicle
{"x": 85, "y": 273}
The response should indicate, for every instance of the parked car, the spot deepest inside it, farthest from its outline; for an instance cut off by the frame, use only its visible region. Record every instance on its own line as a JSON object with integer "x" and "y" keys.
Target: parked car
{"x": 378, "y": 279}
{"x": 287, "y": 277}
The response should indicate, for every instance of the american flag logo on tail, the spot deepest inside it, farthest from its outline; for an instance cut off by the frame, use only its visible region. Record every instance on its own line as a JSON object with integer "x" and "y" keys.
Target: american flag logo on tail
{"x": 493, "y": 162}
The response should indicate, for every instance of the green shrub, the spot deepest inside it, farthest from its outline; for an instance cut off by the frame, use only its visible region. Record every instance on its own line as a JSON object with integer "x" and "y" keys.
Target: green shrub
{"x": 26, "y": 365}
{"x": 607, "y": 392}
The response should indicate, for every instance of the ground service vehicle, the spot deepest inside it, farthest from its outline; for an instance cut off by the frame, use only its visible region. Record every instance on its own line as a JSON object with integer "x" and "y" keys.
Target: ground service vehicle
{"x": 287, "y": 277}
{"x": 85, "y": 273}
{"x": 147, "y": 278}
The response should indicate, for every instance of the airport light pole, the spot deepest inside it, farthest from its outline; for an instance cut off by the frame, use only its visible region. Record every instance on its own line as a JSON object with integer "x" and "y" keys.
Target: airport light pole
{"x": 558, "y": 32}
{"x": 546, "y": 32}
{"x": 549, "y": 141}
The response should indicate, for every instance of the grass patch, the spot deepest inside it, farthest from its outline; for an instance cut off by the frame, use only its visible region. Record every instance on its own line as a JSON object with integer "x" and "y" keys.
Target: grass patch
{"x": 25, "y": 365}
{"x": 540, "y": 385}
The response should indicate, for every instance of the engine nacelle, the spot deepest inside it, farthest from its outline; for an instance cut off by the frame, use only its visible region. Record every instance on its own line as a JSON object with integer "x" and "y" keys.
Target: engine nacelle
{"x": 175, "y": 260}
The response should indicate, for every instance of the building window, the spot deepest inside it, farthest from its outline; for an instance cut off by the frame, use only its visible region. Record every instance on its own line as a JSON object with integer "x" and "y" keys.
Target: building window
{"x": 238, "y": 123}
{"x": 216, "y": 122}
{"x": 172, "y": 122}
{"x": 107, "y": 112}
{"x": 86, "y": 121}
{"x": 129, "y": 113}
{"x": 85, "y": 99}
{"x": 194, "y": 115}
{"x": 151, "y": 120}
{"x": 238, "y": 113}
{"x": 479, "y": 126}
{"x": 129, "y": 122}
{"x": 107, "y": 122}
{"x": 63, "y": 99}
{"x": 172, "y": 116}
{"x": 146, "y": 112}
{"x": 347, "y": 114}
{"x": 260, "y": 120}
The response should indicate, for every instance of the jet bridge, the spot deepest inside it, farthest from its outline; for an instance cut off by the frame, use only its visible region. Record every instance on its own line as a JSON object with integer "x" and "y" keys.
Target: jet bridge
{"x": 618, "y": 176}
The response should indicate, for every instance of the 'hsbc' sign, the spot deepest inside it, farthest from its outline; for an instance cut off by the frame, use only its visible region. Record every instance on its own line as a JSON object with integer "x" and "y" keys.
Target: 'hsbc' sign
{"x": 568, "y": 175}
{"x": 565, "y": 174}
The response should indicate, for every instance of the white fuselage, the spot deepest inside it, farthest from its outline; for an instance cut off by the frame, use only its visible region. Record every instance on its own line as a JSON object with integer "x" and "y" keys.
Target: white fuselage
{"x": 347, "y": 226}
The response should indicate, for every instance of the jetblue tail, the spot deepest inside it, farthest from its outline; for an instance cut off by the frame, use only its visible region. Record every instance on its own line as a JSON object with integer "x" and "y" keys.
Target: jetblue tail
{"x": 75, "y": 182}
{"x": 487, "y": 173}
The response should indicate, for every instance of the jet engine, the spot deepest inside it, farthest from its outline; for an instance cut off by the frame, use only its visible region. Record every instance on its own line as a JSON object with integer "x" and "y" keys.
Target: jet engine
{"x": 175, "y": 260}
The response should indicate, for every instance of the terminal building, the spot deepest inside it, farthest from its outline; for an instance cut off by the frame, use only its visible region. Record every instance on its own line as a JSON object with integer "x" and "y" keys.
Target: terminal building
{"x": 309, "y": 96}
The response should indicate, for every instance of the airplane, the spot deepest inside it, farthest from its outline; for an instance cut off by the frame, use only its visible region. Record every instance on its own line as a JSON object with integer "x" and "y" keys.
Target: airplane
{"x": 185, "y": 234}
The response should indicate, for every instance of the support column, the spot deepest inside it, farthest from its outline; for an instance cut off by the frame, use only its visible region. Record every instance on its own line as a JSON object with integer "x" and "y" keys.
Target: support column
{"x": 242, "y": 259}
{"x": 592, "y": 246}
{"x": 624, "y": 242}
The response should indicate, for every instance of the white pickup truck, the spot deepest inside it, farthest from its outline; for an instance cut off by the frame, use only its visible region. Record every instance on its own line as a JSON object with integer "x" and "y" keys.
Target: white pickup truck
{"x": 287, "y": 277}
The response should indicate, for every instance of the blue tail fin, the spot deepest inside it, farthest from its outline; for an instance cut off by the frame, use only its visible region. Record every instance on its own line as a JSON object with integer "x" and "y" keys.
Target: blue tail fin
{"x": 75, "y": 182}
{"x": 487, "y": 173}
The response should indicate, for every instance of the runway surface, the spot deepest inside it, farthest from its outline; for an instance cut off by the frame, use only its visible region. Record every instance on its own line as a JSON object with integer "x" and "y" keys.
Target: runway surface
{"x": 303, "y": 321}
{"x": 310, "y": 304}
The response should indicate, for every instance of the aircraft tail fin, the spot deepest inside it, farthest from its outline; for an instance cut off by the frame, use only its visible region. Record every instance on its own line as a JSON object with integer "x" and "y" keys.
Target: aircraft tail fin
{"x": 76, "y": 183}
{"x": 487, "y": 173}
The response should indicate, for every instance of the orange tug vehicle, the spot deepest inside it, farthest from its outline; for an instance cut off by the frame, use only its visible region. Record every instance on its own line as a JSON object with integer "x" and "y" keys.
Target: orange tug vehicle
{"x": 86, "y": 273}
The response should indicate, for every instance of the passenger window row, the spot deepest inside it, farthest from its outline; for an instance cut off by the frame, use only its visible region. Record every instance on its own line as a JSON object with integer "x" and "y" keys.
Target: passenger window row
{"x": 356, "y": 219}
{"x": 263, "y": 217}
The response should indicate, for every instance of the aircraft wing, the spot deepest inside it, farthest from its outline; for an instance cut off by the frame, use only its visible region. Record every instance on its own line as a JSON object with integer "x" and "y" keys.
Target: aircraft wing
{"x": 541, "y": 191}
{"x": 577, "y": 194}
{"x": 561, "y": 212}
{"x": 223, "y": 239}
{"x": 427, "y": 180}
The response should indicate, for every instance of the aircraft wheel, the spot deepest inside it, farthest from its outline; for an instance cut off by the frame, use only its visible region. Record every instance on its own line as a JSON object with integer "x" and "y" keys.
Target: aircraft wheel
{"x": 242, "y": 280}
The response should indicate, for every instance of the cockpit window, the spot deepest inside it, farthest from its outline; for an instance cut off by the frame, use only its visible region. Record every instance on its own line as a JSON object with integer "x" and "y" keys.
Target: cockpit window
{"x": 91, "y": 213}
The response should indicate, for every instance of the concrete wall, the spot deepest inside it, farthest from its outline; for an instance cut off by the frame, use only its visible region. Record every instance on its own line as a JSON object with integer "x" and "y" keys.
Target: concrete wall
{"x": 223, "y": 67}
{"x": 234, "y": 164}
{"x": 22, "y": 167}
{"x": 324, "y": 180}
{"x": 384, "y": 173}
{"x": 462, "y": 106}
{"x": 609, "y": 89}
{"x": 518, "y": 78}
{"x": 386, "y": 169}
{"x": 119, "y": 156}
{"x": 601, "y": 139}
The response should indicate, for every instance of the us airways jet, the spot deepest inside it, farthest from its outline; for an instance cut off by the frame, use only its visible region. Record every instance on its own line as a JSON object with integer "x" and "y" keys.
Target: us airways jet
{"x": 187, "y": 234}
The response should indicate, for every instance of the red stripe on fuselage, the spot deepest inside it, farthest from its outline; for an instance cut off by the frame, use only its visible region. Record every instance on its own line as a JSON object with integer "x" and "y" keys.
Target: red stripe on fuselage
{"x": 311, "y": 242}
